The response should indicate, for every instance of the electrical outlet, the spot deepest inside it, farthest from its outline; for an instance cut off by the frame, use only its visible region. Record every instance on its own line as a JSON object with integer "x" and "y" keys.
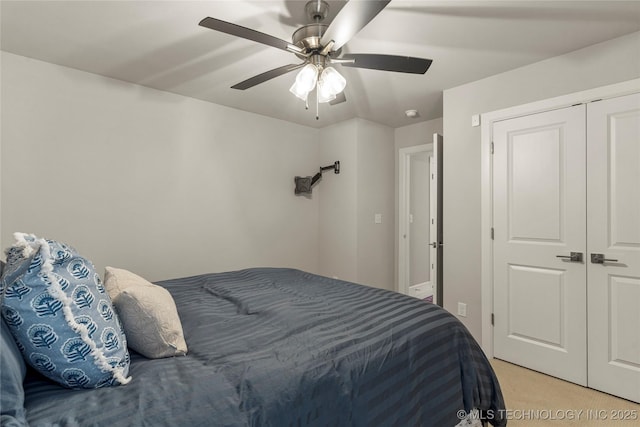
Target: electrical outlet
{"x": 462, "y": 309}
{"x": 377, "y": 218}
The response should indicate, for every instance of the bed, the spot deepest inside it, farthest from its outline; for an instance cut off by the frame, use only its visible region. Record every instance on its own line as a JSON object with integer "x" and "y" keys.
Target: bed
{"x": 282, "y": 347}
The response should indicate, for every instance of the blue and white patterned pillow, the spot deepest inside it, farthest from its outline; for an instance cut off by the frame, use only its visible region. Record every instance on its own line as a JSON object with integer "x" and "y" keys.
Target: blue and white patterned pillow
{"x": 61, "y": 315}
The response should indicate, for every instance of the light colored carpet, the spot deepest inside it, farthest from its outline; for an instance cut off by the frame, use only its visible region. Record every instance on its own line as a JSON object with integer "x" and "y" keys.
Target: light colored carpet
{"x": 535, "y": 399}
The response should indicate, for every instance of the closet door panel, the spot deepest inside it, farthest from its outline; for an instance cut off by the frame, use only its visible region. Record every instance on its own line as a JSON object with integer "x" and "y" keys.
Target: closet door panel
{"x": 613, "y": 233}
{"x": 539, "y": 214}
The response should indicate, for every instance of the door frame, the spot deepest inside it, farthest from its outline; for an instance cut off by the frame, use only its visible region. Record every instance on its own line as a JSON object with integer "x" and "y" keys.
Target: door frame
{"x": 486, "y": 216}
{"x": 404, "y": 170}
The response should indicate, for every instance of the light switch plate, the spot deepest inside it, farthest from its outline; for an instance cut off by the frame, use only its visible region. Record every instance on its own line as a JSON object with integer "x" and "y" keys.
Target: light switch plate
{"x": 462, "y": 309}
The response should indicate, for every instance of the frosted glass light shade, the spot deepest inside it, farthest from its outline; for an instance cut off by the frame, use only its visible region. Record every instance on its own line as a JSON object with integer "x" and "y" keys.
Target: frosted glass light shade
{"x": 324, "y": 92}
{"x": 333, "y": 80}
{"x": 299, "y": 91}
{"x": 329, "y": 83}
{"x": 307, "y": 77}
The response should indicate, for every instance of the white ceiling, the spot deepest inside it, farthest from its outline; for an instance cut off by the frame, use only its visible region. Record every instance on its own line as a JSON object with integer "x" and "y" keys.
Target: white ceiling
{"x": 159, "y": 44}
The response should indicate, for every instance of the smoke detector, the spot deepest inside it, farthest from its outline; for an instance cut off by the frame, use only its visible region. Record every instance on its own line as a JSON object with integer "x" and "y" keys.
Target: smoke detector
{"x": 412, "y": 114}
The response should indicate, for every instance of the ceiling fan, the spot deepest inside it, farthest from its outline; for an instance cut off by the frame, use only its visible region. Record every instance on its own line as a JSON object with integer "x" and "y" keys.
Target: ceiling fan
{"x": 319, "y": 46}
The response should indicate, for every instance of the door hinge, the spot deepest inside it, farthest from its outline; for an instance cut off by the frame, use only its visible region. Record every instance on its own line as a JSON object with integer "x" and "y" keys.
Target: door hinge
{"x": 491, "y": 147}
{"x": 492, "y": 319}
{"x": 492, "y": 233}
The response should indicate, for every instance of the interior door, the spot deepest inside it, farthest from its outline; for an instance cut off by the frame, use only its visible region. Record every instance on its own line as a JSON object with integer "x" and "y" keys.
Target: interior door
{"x": 613, "y": 185}
{"x": 420, "y": 272}
{"x": 420, "y": 231}
{"x": 414, "y": 274}
{"x": 539, "y": 237}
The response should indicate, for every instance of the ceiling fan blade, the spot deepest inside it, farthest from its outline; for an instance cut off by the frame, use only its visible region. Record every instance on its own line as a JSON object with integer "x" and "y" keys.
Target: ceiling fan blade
{"x": 353, "y": 17}
{"x": 340, "y": 98}
{"x": 267, "y": 75}
{"x": 248, "y": 33}
{"x": 401, "y": 64}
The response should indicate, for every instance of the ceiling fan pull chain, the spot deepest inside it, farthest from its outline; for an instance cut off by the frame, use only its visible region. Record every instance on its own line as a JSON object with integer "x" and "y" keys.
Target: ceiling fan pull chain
{"x": 317, "y": 103}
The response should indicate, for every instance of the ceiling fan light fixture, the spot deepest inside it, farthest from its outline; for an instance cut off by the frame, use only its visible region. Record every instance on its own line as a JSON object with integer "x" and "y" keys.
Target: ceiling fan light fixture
{"x": 324, "y": 92}
{"x": 307, "y": 77}
{"x": 333, "y": 80}
{"x": 299, "y": 91}
{"x": 318, "y": 45}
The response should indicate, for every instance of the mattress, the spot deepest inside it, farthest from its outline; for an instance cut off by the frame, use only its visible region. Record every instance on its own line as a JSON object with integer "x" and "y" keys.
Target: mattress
{"x": 283, "y": 347}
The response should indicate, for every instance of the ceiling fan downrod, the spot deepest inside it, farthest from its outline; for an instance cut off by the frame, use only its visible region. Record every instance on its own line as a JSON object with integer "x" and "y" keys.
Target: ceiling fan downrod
{"x": 317, "y": 10}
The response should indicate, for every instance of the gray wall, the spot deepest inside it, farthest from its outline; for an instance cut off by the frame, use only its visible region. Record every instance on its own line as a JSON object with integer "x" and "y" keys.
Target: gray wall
{"x": 352, "y": 246}
{"x": 167, "y": 186}
{"x": 338, "y": 237}
{"x": 150, "y": 181}
{"x": 375, "y": 195}
{"x": 599, "y": 65}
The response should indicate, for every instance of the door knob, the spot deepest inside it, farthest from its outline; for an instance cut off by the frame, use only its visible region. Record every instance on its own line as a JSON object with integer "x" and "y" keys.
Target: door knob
{"x": 573, "y": 257}
{"x": 600, "y": 259}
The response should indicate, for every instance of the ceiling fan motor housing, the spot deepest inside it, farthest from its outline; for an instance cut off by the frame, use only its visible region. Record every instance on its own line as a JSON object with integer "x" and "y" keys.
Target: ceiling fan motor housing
{"x": 308, "y": 37}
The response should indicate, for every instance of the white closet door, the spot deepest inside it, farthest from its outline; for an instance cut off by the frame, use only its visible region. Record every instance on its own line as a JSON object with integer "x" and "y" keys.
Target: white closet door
{"x": 613, "y": 157}
{"x": 539, "y": 214}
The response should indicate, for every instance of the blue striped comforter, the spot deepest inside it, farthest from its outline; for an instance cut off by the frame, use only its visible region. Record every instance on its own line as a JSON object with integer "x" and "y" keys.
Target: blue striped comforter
{"x": 281, "y": 347}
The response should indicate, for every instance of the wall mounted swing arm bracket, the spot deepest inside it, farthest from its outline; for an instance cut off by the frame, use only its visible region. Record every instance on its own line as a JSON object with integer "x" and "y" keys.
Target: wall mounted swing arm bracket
{"x": 304, "y": 184}
{"x": 336, "y": 169}
{"x": 335, "y": 166}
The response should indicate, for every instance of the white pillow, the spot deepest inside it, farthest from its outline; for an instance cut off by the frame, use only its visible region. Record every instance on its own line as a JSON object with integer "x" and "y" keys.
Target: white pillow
{"x": 117, "y": 280}
{"x": 148, "y": 315}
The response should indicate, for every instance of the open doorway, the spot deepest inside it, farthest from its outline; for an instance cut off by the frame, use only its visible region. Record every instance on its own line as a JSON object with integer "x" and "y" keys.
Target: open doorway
{"x": 420, "y": 230}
